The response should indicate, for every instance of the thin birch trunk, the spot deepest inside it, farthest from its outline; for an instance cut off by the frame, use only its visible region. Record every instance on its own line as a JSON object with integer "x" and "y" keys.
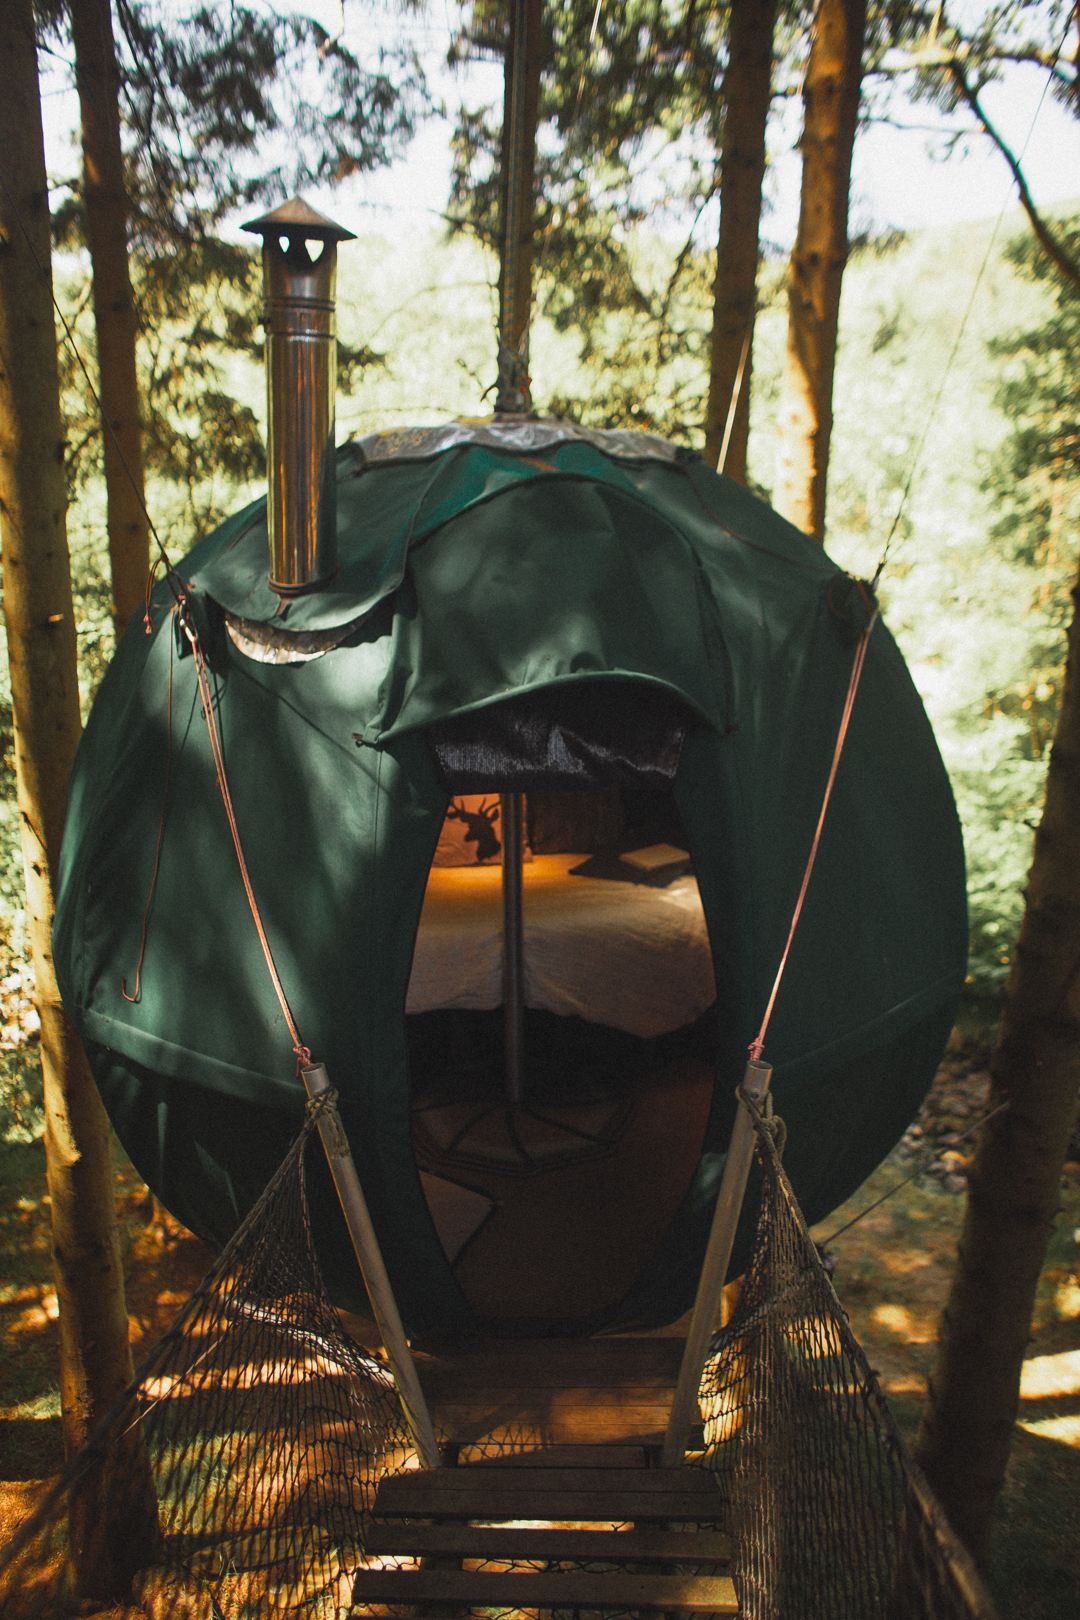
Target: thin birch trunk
{"x": 105, "y": 205}
{"x": 747, "y": 94}
{"x": 1014, "y": 1184}
{"x": 95, "y": 1361}
{"x": 831, "y": 99}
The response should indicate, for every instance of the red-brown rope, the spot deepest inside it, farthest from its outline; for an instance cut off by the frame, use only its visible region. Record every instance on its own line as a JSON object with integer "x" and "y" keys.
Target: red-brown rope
{"x": 303, "y": 1054}
{"x": 757, "y": 1044}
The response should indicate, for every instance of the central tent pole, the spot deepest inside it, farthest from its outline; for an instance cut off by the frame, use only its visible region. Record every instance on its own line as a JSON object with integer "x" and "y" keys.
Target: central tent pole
{"x": 513, "y": 839}
{"x": 512, "y": 398}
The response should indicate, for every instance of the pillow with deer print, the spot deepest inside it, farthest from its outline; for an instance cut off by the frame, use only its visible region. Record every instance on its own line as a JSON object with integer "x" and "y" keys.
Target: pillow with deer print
{"x": 471, "y": 834}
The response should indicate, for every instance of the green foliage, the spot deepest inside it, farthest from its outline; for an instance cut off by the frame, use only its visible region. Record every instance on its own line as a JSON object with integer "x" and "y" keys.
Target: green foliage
{"x": 203, "y": 90}
{"x": 998, "y": 793}
{"x": 646, "y": 366}
{"x": 985, "y": 39}
{"x": 198, "y": 309}
{"x": 22, "y": 1115}
{"x": 201, "y": 93}
{"x": 1035, "y": 485}
{"x": 986, "y": 554}
{"x": 630, "y": 126}
{"x": 1036, "y": 482}
{"x": 22, "y": 1099}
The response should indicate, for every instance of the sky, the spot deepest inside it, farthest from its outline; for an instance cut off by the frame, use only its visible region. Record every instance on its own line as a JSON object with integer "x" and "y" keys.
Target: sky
{"x": 901, "y": 176}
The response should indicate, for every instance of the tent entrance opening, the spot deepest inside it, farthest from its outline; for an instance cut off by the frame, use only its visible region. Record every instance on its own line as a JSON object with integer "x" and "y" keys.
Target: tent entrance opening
{"x": 559, "y": 1102}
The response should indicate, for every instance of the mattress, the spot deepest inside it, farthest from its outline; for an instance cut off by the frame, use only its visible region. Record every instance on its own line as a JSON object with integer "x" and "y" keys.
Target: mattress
{"x": 626, "y": 955}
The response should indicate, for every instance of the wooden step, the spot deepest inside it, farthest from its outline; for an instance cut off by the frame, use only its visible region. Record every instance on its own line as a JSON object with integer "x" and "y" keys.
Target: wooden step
{"x": 521, "y": 1545}
{"x": 697, "y": 1594}
{"x": 520, "y": 1419}
{"x": 551, "y": 1391}
{"x": 527, "y": 1477}
{"x": 562, "y": 1457}
{"x": 551, "y": 1364}
{"x": 609, "y": 1495}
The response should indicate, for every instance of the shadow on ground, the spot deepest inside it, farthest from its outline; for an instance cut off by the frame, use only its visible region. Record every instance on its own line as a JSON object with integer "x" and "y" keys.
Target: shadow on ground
{"x": 892, "y": 1273}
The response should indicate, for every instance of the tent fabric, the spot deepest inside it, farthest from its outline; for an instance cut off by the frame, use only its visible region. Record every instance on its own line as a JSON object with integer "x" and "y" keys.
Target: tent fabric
{"x": 472, "y": 573}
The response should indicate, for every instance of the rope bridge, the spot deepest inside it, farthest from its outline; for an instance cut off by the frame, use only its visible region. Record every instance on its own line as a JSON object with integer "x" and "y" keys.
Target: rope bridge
{"x": 259, "y": 1462}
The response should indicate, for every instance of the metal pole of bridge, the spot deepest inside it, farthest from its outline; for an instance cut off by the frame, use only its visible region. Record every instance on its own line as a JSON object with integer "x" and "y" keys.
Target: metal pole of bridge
{"x": 714, "y": 1271}
{"x": 369, "y": 1256}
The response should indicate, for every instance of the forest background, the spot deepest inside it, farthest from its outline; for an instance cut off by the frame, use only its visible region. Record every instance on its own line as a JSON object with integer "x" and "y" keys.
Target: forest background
{"x": 954, "y": 450}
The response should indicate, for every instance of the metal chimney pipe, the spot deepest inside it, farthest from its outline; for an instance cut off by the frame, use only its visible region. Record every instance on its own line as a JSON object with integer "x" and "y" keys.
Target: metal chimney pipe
{"x": 299, "y": 278}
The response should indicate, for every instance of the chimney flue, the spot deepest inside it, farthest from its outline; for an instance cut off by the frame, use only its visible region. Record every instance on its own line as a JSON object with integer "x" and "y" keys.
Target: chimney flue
{"x": 299, "y": 277}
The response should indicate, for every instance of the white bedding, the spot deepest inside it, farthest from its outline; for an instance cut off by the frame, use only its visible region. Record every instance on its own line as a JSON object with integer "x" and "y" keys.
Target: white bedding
{"x": 622, "y": 954}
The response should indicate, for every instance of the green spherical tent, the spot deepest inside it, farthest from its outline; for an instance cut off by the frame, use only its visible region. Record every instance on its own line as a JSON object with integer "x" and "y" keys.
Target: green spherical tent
{"x": 480, "y": 563}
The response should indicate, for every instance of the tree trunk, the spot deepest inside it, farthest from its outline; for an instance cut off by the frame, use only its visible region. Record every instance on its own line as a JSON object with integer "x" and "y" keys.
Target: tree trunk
{"x": 747, "y": 94}
{"x": 95, "y": 1361}
{"x": 521, "y": 94}
{"x": 831, "y": 99}
{"x": 105, "y": 205}
{"x": 1014, "y": 1183}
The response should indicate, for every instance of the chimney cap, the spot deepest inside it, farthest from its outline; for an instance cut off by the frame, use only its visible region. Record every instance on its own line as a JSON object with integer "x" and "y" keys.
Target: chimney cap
{"x": 295, "y": 216}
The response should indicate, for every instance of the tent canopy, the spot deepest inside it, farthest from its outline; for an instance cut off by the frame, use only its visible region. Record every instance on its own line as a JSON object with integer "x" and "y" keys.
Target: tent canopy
{"x": 480, "y": 563}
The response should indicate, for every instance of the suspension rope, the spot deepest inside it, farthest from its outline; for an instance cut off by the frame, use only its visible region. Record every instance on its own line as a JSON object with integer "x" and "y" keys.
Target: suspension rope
{"x": 757, "y": 1044}
{"x": 733, "y": 403}
{"x": 303, "y": 1054}
{"x": 918, "y": 1170}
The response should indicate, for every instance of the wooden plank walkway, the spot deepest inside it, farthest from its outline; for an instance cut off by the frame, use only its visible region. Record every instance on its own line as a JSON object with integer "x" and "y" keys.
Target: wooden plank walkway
{"x": 694, "y": 1594}
{"x": 592, "y": 1495}
{"x": 474, "y": 1513}
{"x": 578, "y": 1423}
{"x": 532, "y": 1393}
{"x": 522, "y": 1545}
